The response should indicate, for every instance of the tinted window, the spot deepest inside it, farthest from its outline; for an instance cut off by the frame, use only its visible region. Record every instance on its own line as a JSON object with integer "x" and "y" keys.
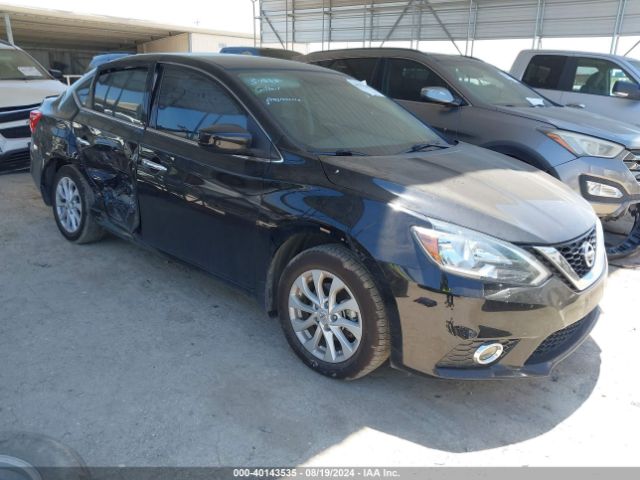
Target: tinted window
{"x": 189, "y": 101}
{"x": 597, "y": 76}
{"x": 545, "y": 71}
{"x": 121, "y": 94}
{"x": 325, "y": 112}
{"x": 404, "y": 79}
{"x": 360, "y": 68}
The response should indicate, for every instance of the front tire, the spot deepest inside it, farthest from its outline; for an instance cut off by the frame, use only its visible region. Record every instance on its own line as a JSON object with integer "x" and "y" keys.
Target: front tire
{"x": 332, "y": 313}
{"x": 72, "y": 202}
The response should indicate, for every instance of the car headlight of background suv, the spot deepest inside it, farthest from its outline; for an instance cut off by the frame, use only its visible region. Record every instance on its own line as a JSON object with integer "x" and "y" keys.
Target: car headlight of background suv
{"x": 473, "y": 254}
{"x": 584, "y": 145}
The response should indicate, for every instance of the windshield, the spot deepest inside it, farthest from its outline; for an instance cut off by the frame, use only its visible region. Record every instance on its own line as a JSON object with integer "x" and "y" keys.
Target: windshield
{"x": 491, "y": 85}
{"x": 635, "y": 63}
{"x": 17, "y": 65}
{"x": 329, "y": 113}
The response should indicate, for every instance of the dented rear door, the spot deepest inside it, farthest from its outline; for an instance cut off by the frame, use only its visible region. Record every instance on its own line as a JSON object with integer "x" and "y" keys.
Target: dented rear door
{"x": 108, "y": 136}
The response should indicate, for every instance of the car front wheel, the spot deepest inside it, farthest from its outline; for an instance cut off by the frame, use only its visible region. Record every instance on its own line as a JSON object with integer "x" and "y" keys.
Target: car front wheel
{"x": 332, "y": 313}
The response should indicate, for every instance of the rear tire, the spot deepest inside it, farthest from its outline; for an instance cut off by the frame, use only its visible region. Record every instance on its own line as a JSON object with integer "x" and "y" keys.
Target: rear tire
{"x": 344, "y": 331}
{"x": 72, "y": 200}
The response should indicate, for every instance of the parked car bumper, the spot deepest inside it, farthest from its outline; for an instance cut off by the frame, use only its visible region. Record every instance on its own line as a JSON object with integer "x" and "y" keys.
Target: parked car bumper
{"x": 439, "y": 332}
{"x": 609, "y": 171}
{"x": 14, "y": 154}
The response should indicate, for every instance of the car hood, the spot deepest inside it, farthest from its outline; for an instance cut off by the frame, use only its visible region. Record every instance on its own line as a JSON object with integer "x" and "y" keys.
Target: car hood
{"x": 19, "y": 93}
{"x": 581, "y": 121}
{"x": 471, "y": 187}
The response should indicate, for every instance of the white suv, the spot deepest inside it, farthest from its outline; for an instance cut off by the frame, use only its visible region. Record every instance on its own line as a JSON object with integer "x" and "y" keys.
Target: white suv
{"x": 605, "y": 84}
{"x": 24, "y": 83}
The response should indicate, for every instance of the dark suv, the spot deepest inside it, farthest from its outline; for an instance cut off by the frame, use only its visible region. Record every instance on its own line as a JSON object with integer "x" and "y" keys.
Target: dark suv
{"x": 472, "y": 101}
{"x": 363, "y": 229}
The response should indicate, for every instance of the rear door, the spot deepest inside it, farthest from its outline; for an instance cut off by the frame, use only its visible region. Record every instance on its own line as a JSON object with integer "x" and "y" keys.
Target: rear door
{"x": 198, "y": 204}
{"x": 403, "y": 80}
{"x": 547, "y": 74}
{"x": 108, "y": 132}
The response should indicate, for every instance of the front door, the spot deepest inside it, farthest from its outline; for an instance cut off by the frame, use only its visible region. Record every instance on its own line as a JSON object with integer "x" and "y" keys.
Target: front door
{"x": 592, "y": 82}
{"x": 198, "y": 204}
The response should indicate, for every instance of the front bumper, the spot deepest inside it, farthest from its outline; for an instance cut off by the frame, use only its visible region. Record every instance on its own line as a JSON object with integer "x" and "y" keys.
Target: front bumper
{"x": 610, "y": 171}
{"x": 538, "y": 327}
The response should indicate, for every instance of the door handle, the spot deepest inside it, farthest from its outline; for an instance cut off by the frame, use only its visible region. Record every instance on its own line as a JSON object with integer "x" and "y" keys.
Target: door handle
{"x": 576, "y": 105}
{"x": 153, "y": 165}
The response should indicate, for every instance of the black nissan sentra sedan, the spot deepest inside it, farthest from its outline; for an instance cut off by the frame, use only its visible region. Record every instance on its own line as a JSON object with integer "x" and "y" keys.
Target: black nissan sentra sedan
{"x": 362, "y": 229}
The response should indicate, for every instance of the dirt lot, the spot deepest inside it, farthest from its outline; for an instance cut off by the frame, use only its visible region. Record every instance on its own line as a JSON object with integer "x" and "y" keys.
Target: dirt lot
{"x": 132, "y": 359}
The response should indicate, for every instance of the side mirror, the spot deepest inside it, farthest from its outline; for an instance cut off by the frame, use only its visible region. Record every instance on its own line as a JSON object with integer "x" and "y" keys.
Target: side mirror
{"x": 225, "y": 138}
{"x": 57, "y": 74}
{"x": 626, "y": 90}
{"x": 438, "y": 95}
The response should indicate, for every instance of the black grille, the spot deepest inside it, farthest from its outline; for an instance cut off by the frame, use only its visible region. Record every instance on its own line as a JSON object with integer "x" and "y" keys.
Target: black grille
{"x": 16, "y": 132}
{"x": 11, "y": 114}
{"x": 632, "y": 161}
{"x": 462, "y": 355}
{"x": 15, "y": 161}
{"x": 572, "y": 252}
{"x": 557, "y": 342}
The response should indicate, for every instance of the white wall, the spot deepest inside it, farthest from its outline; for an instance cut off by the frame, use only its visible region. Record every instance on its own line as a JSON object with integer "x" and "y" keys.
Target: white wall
{"x": 204, "y": 42}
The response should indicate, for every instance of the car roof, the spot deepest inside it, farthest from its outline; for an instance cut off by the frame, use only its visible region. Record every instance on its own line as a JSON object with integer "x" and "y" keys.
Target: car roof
{"x": 574, "y": 53}
{"x": 387, "y": 51}
{"x": 219, "y": 61}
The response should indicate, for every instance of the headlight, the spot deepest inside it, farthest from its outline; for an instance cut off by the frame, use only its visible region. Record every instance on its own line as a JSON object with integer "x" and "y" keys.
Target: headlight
{"x": 473, "y": 254}
{"x": 583, "y": 145}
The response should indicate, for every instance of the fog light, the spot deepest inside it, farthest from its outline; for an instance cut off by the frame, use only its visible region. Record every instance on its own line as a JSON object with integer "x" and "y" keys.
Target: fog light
{"x": 602, "y": 190}
{"x": 488, "y": 353}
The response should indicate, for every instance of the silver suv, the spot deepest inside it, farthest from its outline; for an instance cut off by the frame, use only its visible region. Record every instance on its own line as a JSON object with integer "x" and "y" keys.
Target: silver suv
{"x": 604, "y": 84}
{"x": 469, "y": 100}
{"x": 24, "y": 83}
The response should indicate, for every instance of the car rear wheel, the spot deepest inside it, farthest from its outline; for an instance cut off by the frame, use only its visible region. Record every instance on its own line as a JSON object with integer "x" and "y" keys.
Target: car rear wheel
{"x": 72, "y": 202}
{"x": 332, "y": 313}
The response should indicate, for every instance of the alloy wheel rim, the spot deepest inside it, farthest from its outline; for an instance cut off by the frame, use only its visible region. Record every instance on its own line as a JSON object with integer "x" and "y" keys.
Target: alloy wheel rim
{"x": 68, "y": 205}
{"x": 325, "y": 316}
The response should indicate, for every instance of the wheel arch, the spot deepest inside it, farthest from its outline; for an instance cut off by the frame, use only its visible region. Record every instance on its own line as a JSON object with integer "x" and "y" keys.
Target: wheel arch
{"x": 298, "y": 239}
{"x": 520, "y": 152}
{"x": 48, "y": 174}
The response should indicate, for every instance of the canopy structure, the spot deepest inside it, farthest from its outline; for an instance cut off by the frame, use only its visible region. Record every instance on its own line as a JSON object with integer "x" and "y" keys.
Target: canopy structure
{"x": 375, "y": 22}
{"x": 58, "y": 29}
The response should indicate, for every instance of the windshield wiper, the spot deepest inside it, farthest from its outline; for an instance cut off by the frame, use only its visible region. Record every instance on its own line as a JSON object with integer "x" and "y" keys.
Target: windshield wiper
{"x": 423, "y": 147}
{"x": 342, "y": 152}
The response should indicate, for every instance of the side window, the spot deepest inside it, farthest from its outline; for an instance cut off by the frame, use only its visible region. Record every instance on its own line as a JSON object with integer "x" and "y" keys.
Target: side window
{"x": 359, "y": 68}
{"x": 545, "y": 71}
{"x": 404, "y": 79}
{"x": 597, "y": 76}
{"x": 189, "y": 101}
{"x": 121, "y": 94}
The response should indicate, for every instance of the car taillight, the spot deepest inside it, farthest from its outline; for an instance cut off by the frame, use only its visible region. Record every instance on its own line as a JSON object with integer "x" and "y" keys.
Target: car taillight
{"x": 34, "y": 118}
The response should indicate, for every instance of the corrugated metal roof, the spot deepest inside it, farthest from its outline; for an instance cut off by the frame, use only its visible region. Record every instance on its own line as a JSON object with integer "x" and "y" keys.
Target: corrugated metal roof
{"x": 307, "y": 21}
